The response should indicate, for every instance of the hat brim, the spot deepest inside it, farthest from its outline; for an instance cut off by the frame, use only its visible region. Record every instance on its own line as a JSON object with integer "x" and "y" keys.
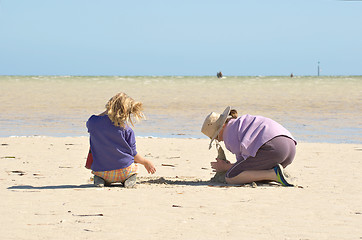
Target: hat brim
{"x": 221, "y": 122}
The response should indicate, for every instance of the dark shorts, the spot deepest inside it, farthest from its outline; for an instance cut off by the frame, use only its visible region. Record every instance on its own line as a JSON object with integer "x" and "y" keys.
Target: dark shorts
{"x": 279, "y": 150}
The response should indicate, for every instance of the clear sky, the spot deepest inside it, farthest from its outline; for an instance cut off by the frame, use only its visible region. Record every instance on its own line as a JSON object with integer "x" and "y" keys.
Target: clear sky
{"x": 188, "y": 37}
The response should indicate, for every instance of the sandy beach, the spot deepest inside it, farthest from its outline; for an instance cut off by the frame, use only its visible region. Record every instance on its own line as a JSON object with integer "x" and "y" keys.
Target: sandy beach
{"x": 48, "y": 194}
{"x": 298, "y": 63}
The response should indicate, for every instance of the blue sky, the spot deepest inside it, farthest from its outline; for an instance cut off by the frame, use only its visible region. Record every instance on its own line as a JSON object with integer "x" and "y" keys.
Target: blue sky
{"x": 189, "y": 37}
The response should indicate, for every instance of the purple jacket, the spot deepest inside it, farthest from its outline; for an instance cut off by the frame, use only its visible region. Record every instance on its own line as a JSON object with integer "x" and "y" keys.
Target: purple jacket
{"x": 112, "y": 147}
{"x": 244, "y": 135}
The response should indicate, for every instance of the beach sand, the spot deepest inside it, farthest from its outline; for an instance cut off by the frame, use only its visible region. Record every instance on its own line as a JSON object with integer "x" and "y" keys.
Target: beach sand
{"x": 47, "y": 193}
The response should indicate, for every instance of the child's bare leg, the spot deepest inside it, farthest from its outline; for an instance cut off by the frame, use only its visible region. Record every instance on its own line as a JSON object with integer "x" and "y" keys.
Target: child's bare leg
{"x": 253, "y": 176}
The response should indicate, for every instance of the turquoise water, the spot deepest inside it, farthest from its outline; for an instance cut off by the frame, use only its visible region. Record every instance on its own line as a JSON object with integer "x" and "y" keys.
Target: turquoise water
{"x": 314, "y": 109}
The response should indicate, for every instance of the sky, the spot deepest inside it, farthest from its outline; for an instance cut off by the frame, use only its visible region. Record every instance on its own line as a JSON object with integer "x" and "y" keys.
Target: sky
{"x": 180, "y": 38}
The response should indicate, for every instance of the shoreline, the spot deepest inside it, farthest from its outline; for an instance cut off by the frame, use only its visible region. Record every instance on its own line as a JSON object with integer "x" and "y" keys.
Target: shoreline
{"x": 312, "y": 109}
{"x": 173, "y": 136}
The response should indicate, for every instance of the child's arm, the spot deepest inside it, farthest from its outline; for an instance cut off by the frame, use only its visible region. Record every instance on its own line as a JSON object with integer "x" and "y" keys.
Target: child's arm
{"x": 146, "y": 163}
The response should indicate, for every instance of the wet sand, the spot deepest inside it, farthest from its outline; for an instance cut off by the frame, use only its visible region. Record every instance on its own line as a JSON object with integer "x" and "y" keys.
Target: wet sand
{"x": 314, "y": 109}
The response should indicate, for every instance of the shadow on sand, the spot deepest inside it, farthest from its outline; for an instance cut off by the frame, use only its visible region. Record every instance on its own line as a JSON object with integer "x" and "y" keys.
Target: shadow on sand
{"x": 199, "y": 182}
{"x": 140, "y": 181}
{"x": 29, "y": 187}
{"x": 151, "y": 181}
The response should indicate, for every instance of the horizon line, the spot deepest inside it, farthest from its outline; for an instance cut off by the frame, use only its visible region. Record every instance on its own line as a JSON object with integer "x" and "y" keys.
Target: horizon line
{"x": 112, "y": 75}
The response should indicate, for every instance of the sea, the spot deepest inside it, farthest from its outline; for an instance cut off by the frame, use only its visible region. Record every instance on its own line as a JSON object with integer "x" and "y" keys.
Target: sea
{"x": 313, "y": 108}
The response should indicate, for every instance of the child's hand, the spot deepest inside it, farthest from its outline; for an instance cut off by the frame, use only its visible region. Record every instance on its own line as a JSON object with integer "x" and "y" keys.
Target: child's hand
{"x": 146, "y": 163}
{"x": 149, "y": 166}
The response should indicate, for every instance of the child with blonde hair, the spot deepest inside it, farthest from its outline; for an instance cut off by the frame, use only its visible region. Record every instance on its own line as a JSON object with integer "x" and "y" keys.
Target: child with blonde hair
{"x": 113, "y": 143}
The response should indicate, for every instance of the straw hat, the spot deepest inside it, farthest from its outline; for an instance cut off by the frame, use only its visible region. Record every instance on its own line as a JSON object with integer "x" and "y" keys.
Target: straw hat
{"x": 214, "y": 123}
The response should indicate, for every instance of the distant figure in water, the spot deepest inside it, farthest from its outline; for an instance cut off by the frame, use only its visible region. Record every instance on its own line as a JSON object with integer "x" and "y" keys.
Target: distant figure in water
{"x": 219, "y": 74}
{"x": 291, "y": 75}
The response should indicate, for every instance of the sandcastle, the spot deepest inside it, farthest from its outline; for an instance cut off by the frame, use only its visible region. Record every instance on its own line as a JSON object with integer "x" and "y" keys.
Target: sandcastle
{"x": 219, "y": 177}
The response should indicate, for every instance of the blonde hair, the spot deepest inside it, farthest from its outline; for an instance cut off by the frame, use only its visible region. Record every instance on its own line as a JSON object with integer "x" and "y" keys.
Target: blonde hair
{"x": 120, "y": 108}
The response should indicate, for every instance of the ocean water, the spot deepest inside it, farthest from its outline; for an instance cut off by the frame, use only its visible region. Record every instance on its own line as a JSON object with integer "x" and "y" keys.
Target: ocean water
{"x": 314, "y": 109}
